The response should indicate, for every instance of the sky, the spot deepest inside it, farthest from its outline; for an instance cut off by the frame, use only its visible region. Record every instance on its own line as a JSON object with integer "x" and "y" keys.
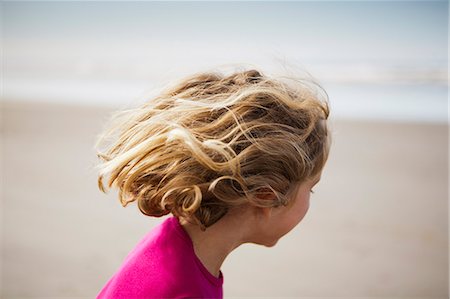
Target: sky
{"x": 140, "y": 42}
{"x": 319, "y": 30}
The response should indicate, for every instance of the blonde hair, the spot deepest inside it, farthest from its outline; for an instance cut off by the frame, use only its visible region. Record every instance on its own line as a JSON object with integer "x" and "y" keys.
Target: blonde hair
{"x": 212, "y": 142}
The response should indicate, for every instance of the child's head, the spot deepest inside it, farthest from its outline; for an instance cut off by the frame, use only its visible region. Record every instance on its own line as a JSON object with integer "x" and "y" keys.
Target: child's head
{"x": 213, "y": 142}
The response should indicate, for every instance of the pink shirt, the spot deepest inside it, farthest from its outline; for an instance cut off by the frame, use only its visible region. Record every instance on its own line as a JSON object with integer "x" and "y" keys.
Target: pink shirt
{"x": 163, "y": 265}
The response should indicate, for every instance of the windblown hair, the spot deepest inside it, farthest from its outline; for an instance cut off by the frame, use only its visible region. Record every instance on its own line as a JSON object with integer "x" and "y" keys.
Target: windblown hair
{"x": 212, "y": 142}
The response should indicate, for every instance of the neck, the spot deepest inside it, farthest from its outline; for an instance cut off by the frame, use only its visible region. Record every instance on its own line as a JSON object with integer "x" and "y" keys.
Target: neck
{"x": 214, "y": 244}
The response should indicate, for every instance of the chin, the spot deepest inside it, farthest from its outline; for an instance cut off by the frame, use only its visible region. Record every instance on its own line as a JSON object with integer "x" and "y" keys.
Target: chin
{"x": 265, "y": 243}
{"x": 271, "y": 244}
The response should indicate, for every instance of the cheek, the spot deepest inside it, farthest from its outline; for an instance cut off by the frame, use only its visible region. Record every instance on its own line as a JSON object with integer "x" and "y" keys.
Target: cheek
{"x": 287, "y": 220}
{"x": 307, "y": 205}
{"x": 302, "y": 209}
{"x": 306, "y": 208}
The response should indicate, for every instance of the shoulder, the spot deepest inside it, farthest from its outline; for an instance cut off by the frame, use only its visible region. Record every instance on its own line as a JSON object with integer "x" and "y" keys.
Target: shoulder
{"x": 159, "y": 266}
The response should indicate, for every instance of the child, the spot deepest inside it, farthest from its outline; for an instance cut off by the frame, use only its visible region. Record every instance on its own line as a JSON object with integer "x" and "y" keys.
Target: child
{"x": 232, "y": 158}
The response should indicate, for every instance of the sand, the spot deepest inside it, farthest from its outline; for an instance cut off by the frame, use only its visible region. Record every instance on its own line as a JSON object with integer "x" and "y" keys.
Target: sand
{"x": 377, "y": 225}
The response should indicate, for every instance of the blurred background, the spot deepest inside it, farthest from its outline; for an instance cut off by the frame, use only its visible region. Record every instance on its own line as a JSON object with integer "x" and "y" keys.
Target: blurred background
{"x": 378, "y": 221}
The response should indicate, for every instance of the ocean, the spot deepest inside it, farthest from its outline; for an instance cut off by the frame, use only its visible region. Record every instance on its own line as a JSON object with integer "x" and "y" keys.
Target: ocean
{"x": 397, "y": 101}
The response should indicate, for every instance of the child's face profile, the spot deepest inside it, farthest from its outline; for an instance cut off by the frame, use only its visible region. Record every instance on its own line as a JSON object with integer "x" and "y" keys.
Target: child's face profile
{"x": 283, "y": 219}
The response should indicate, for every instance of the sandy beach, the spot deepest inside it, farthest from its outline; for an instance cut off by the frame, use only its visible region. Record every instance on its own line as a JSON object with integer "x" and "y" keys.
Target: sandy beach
{"x": 377, "y": 225}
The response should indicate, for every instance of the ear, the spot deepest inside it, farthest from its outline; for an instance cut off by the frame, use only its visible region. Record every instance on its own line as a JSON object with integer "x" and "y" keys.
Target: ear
{"x": 265, "y": 194}
{"x": 262, "y": 213}
{"x": 266, "y": 212}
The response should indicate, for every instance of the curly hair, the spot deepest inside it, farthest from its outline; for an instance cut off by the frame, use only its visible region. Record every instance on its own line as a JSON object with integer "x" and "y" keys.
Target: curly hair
{"x": 214, "y": 141}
